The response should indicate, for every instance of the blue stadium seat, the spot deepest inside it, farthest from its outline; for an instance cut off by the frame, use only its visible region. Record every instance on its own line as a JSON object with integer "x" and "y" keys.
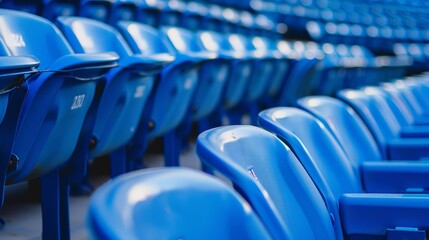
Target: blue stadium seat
{"x": 385, "y": 127}
{"x": 172, "y": 96}
{"x": 333, "y": 173}
{"x": 123, "y": 10}
{"x": 399, "y": 108}
{"x": 411, "y": 95}
{"x": 53, "y": 110}
{"x": 269, "y": 176}
{"x": 13, "y": 73}
{"x": 361, "y": 148}
{"x": 55, "y": 8}
{"x": 29, "y": 6}
{"x": 194, "y": 16}
{"x": 149, "y": 12}
{"x": 240, "y": 64}
{"x": 96, "y": 9}
{"x": 280, "y": 64}
{"x": 171, "y": 13}
{"x": 260, "y": 76}
{"x": 171, "y": 203}
{"x": 303, "y": 79}
{"x": 213, "y": 74}
{"x": 121, "y": 96}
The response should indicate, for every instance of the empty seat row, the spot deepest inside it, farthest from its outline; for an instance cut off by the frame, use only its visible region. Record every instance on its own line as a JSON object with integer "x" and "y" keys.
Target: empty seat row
{"x": 315, "y": 172}
{"x": 114, "y": 89}
{"x": 194, "y": 15}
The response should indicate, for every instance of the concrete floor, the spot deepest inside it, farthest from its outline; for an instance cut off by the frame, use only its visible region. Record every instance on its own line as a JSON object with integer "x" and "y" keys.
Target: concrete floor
{"x": 23, "y": 216}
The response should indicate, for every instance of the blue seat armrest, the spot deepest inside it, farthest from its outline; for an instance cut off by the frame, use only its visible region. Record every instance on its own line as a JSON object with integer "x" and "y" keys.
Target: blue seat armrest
{"x": 396, "y": 176}
{"x": 85, "y": 66}
{"x": 12, "y": 67}
{"x": 415, "y": 132}
{"x": 410, "y": 148}
{"x": 374, "y": 214}
{"x": 147, "y": 64}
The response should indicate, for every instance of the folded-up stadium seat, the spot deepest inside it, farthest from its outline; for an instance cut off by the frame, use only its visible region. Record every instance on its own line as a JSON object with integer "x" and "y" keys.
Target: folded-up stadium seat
{"x": 360, "y": 146}
{"x": 239, "y": 66}
{"x": 401, "y": 113}
{"x": 124, "y": 10}
{"x": 54, "y": 8}
{"x": 121, "y": 96}
{"x": 412, "y": 96}
{"x": 281, "y": 63}
{"x": 172, "y": 95}
{"x": 212, "y": 77}
{"x": 149, "y": 12}
{"x": 171, "y": 13}
{"x": 13, "y": 72}
{"x": 385, "y": 127}
{"x": 271, "y": 179}
{"x": 171, "y": 203}
{"x": 269, "y": 176}
{"x": 96, "y": 9}
{"x": 29, "y": 6}
{"x": 331, "y": 170}
{"x": 53, "y": 110}
{"x": 194, "y": 16}
{"x": 261, "y": 73}
{"x": 303, "y": 78}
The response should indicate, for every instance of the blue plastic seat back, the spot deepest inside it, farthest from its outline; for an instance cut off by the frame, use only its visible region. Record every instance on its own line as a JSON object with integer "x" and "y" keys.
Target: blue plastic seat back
{"x": 281, "y": 64}
{"x": 171, "y": 203}
{"x": 178, "y": 81}
{"x": 381, "y": 123}
{"x": 194, "y": 16}
{"x": 346, "y": 126}
{"x": 125, "y": 90}
{"x": 124, "y": 10}
{"x": 270, "y": 177}
{"x": 181, "y": 39}
{"x": 12, "y": 76}
{"x": 17, "y": 33}
{"x": 316, "y": 148}
{"x": 56, "y": 103}
{"x": 398, "y": 99}
{"x": 240, "y": 67}
{"x": 261, "y": 71}
{"x": 143, "y": 39}
{"x": 213, "y": 73}
{"x": 303, "y": 78}
{"x": 149, "y": 12}
{"x": 29, "y": 6}
{"x": 381, "y": 96}
{"x": 55, "y": 8}
{"x": 96, "y": 9}
{"x": 399, "y": 94}
{"x": 171, "y": 13}
{"x": 412, "y": 100}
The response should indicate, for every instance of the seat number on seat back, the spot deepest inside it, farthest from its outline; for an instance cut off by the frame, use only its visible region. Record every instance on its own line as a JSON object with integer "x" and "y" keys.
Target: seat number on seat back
{"x": 139, "y": 92}
{"x": 16, "y": 40}
{"x": 77, "y": 101}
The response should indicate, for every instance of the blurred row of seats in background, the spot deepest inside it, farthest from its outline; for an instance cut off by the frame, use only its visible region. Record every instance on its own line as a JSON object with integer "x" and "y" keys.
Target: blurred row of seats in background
{"x": 94, "y": 78}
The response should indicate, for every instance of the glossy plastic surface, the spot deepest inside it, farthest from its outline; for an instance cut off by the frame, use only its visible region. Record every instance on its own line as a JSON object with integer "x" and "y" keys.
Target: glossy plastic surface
{"x": 177, "y": 84}
{"x": 55, "y": 100}
{"x": 270, "y": 177}
{"x": 171, "y": 203}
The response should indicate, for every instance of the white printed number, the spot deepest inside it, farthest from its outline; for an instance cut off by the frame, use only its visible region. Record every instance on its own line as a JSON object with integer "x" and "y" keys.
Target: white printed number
{"x": 16, "y": 40}
{"x": 77, "y": 101}
{"x": 139, "y": 92}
